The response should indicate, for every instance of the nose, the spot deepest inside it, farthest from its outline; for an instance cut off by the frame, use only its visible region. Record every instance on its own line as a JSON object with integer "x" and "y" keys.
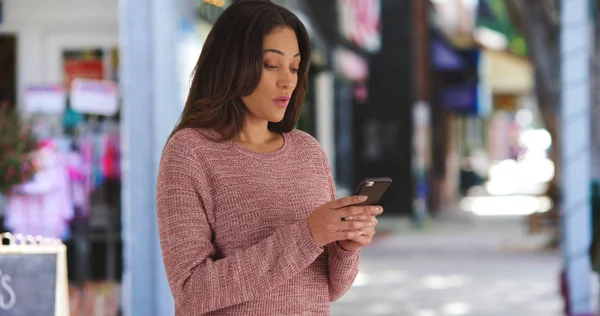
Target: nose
{"x": 287, "y": 80}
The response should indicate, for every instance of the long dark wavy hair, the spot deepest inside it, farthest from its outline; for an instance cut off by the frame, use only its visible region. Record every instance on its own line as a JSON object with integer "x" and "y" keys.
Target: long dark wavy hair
{"x": 230, "y": 67}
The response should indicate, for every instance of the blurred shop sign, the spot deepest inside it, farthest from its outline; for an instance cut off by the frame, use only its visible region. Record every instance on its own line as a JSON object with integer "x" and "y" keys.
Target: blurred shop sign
{"x": 87, "y": 63}
{"x": 460, "y": 98}
{"x": 99, "y": 97}
{"x": 444, "y": 57}
{"x": 466, "y": 93}
{"x": 360, "y": 23}
{"x": 44, "y": 99}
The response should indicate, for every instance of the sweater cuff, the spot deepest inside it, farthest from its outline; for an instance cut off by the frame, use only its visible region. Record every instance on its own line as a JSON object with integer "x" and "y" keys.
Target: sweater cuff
{"x": 343, "y": 258}
{"x": 340, "y": 248}
{"x": 306, "y": 243}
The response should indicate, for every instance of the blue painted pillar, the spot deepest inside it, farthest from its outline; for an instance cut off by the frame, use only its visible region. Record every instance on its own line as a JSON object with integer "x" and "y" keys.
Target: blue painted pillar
{"x": 575, "y": 132}
{"x": 150, "y": 108}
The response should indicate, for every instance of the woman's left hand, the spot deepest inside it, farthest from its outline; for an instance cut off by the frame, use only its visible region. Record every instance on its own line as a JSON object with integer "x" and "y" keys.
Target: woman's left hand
{"x": 364, "y": 238}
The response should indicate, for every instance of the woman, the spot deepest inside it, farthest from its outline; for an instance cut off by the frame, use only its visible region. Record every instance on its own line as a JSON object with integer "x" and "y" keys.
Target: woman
{"x": 247, "y": 215}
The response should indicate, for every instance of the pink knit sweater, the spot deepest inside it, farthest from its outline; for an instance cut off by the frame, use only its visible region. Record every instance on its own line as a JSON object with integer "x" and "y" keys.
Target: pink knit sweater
{"x": 233, "y": 228}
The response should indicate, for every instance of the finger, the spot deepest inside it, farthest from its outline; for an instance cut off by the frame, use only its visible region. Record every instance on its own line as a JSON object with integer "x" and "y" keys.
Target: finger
{"x": 343, "y": 235}
{"x": 369, "y": 232}
{"x": 346, "y": 201}
{"x": 362, "y": 240}
{"x": 365, "y": 236}
{"x": 371, "y": 219}
{"x": 374, "y": 221}
{"x": 360, "y": 218}
{"x": 349, "y": 212}
{"x": 353, "y": 225}
{"x": 375, "y": 210}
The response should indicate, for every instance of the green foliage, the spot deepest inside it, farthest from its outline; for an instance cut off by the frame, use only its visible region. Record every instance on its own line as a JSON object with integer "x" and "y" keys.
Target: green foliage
{"x": 494, "y": 15}
{"x": 17, "y": 145}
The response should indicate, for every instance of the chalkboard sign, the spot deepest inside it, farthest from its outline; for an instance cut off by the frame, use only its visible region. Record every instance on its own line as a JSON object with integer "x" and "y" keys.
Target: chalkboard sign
{"x": 33, "y": 277}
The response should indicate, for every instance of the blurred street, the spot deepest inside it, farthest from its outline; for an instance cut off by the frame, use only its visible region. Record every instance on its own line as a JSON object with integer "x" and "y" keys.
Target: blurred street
{"x": 483, "y": 267}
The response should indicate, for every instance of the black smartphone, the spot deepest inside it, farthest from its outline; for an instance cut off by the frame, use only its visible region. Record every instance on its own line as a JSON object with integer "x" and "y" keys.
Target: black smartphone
{"x": 373, "y": 188}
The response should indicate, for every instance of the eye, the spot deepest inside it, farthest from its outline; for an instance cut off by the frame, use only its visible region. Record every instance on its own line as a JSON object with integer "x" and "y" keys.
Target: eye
{"x": 294, "y": 70}
{"x": 270, "y": 67}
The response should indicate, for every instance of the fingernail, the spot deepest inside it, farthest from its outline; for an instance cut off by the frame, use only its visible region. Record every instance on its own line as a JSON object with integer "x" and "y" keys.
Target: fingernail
{"x": 370, "y": 224}
{"x": 360, "y": 233}
{"x": 349, "y": 218}
{"x": 375, "y": 209}
{"x": 362, "y": 198}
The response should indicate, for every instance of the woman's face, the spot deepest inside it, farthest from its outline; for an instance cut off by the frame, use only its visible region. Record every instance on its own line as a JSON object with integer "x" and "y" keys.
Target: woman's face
{"x": 279, "y": 76}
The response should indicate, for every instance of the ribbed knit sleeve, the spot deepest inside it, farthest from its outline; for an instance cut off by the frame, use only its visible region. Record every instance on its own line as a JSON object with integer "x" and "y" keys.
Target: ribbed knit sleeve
{"x": 202, "y": 282}
{"x": 343, "y": 264}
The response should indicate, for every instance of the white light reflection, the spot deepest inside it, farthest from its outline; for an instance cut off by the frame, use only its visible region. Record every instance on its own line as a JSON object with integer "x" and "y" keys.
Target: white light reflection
{"x": 426, "y": 312}
{"x": 361, "y": 279}
{"x": 393, "y": 276}
{"x": 456, "y": 309}
{"x": 380, "y": 309}
{"x": 438, "y": 282}
{"x": 505, "y": 205}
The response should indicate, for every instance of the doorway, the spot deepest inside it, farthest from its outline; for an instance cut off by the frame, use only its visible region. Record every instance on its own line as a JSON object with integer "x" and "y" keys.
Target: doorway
{"x": 8, "y": 86}
{"x": 8, "y": 64}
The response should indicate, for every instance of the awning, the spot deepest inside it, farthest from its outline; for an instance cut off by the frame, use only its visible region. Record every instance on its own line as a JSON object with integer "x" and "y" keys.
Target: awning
{"x": 506, "y": 73}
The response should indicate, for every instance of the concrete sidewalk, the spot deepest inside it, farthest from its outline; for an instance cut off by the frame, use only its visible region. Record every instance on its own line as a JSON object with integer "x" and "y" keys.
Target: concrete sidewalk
{"x": 510, "y": 230}
{"x": 480, "y": 267}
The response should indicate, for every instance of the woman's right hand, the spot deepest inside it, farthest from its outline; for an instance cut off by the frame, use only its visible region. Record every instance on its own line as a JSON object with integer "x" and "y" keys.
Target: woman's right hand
{"x": 340, "y": 219}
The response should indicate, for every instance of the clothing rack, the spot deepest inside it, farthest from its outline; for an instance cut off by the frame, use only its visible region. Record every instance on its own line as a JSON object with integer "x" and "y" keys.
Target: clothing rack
{"x": 100, "y": 234}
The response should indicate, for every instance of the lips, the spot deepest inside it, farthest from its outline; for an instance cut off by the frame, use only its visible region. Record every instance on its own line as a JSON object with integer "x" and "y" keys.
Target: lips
{"x": 281, "y": 101}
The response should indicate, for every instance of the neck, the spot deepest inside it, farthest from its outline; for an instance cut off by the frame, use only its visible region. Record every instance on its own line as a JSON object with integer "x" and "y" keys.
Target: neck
{"x": 255, "y": 132}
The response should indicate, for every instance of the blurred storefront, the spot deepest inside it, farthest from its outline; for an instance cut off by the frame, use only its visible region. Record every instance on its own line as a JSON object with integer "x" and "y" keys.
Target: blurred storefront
{"x": 317, "y": 117}
{"x": 63, "y": 69}
{"x": 517, "y": 143}
{"x": 351, "y": 74}
{"x": 55, "y": 48}
{"x": 352, "y": 30}
{"x": 359, "y": 37}
{"x": 460, "y": 99}
{"x": 461, "y": 104}
{"x": 378, "y": 98}
{"x": 516, "y": 136}
{"x": 483, "y": 91}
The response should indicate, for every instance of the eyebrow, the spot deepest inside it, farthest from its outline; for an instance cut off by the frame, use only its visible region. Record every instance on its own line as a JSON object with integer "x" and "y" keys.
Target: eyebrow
{"x": 270, "y": 50}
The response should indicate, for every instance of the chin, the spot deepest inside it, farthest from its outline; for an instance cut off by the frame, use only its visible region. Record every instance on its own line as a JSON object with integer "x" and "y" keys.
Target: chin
{"x": 276, "y": 119}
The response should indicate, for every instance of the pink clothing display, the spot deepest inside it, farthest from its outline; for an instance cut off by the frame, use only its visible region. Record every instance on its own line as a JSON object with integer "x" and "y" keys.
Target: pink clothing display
{"x": 111, "y": 157}
{"x": 42, "y": 206}
{"x": 101, "y": 153}
{"x": 233, "y": 228}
